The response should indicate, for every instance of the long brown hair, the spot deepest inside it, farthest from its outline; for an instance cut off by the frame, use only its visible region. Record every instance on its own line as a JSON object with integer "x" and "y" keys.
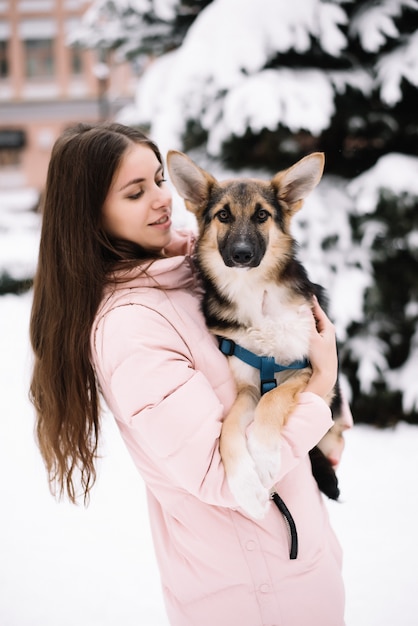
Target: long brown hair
{"x": 75, "y": 258}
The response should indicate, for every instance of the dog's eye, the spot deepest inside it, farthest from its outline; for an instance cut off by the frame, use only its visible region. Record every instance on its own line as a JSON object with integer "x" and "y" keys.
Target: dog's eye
{"x": 262, "y": 215}
{"x": 223, "y": 215}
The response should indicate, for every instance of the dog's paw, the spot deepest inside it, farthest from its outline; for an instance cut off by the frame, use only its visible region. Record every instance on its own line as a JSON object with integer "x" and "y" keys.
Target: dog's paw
{"x": 267, "y": 459}
{"x": 249, "y": 492}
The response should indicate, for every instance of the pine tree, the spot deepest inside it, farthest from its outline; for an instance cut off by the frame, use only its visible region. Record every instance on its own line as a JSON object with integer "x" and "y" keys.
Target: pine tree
{"x": 263, "y": 83}
{"x": 135, "y": 28}
{"x": 381, "y": 354}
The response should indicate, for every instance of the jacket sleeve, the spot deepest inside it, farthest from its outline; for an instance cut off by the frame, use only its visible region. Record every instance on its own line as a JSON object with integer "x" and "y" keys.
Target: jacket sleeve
{"x": 309, "y": 422}
{"x": 149, "y": 380}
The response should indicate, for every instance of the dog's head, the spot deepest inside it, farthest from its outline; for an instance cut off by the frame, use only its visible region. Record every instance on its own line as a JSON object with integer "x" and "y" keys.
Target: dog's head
{"x": 243, "y": 219}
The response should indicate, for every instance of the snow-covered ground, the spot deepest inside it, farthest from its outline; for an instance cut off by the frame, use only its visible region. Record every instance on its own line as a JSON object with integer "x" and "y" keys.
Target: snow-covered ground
{"x": 62, "y": 565}
{"x": 19, "y": 232}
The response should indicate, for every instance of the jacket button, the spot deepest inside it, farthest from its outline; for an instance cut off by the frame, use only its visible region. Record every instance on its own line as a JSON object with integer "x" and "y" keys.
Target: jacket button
{"x": 264, "y": 588}
{"x": 250, "y": 545}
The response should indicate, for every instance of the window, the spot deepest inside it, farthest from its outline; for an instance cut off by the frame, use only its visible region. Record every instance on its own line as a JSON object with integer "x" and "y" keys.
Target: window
{"x": 76, "y": 60}
{"x": 39, "y": 58}
{"x": 12, "y": 143}
{"x": 4, "y": 63}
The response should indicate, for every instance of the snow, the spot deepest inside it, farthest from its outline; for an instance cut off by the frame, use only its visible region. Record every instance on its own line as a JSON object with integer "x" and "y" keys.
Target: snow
{"x": 65, "y": 565}
{"x": 17, "y": 219}
{"x": 263, "y": 101}
{"x": 404, "y": 378}
{"x": 370, "y": 353}
{"x": 374, "y": 26}
{"x": 374, "y": 23}
{"x": 395, "y": 172}
{"x": 393, "y": 67}
{"x": 192, "y": 82}
{"x": 96, "y": 566}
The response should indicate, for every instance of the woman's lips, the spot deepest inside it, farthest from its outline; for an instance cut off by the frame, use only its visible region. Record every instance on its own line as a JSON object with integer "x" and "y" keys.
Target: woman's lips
{"x": 164, "y": 221}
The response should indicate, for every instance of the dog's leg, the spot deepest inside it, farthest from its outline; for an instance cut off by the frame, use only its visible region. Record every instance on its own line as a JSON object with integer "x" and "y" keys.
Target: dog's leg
{"x": 243, "y": 478}
{"x": 271, "y": 415}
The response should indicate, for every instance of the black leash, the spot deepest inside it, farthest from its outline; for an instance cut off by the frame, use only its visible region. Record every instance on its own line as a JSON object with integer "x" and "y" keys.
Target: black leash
{"x": 290, "y": 524}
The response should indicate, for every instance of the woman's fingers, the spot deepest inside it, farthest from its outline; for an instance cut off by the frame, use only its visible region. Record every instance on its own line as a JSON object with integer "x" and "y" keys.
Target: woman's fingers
{"x": 322, "y": 352}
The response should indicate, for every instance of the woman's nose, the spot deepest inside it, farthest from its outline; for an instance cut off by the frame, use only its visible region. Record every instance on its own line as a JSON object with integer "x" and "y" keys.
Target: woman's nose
{"x": 162, "y": 197}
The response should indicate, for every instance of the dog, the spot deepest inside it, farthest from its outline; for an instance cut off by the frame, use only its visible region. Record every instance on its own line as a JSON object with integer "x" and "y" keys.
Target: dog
{"x": 257, "y": 301}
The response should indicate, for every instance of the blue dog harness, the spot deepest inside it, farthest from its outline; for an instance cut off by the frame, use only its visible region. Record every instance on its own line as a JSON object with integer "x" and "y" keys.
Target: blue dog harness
{"x": 266, "y": 364}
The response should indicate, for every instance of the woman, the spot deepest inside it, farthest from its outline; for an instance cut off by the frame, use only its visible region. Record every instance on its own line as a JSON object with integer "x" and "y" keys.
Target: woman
{"x": 116, "y": 311}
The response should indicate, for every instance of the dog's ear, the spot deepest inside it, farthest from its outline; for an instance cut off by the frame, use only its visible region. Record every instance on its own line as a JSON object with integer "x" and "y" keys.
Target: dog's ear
{"x": 192, "y": 183}
{"x": 297, "y": 182}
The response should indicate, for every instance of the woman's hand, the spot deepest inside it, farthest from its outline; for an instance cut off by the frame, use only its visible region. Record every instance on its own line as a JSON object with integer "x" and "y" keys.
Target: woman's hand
{"x": 322, "y": 353}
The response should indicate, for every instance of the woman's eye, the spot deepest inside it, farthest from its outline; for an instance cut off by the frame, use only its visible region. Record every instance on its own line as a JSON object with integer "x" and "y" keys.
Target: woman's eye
{"x": 161, "y": 181}
{"x": 136, "y": 195}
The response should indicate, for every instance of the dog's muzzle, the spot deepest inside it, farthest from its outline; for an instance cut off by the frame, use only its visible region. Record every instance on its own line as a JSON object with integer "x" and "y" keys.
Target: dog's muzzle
{"x": 242, "y": 254}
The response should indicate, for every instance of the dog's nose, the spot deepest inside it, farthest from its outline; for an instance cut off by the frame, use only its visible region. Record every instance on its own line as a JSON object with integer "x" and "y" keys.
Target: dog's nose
{"x": 242, "y": 253}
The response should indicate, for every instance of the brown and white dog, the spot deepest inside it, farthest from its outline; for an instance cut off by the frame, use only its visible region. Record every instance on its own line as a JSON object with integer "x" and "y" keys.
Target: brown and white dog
{"x": 257, "y": 296}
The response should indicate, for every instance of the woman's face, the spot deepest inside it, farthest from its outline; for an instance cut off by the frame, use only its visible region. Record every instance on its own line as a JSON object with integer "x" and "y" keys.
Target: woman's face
{"x": 137, "y": 207}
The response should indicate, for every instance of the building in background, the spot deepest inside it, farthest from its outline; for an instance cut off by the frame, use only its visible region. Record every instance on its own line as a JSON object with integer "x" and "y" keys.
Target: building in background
{"x": 46, "y": 85}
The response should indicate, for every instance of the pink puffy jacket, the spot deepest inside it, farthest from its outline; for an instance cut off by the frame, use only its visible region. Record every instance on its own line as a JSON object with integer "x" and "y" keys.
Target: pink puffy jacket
{"x": 169, "y": 387}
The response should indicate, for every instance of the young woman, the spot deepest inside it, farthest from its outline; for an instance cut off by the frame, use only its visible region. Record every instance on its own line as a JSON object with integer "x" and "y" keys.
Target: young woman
{"x": 116, "y": 312}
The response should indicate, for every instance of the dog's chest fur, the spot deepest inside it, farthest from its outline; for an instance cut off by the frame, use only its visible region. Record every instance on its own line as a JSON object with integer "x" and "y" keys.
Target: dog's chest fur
{"x": 273, "y": 321}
